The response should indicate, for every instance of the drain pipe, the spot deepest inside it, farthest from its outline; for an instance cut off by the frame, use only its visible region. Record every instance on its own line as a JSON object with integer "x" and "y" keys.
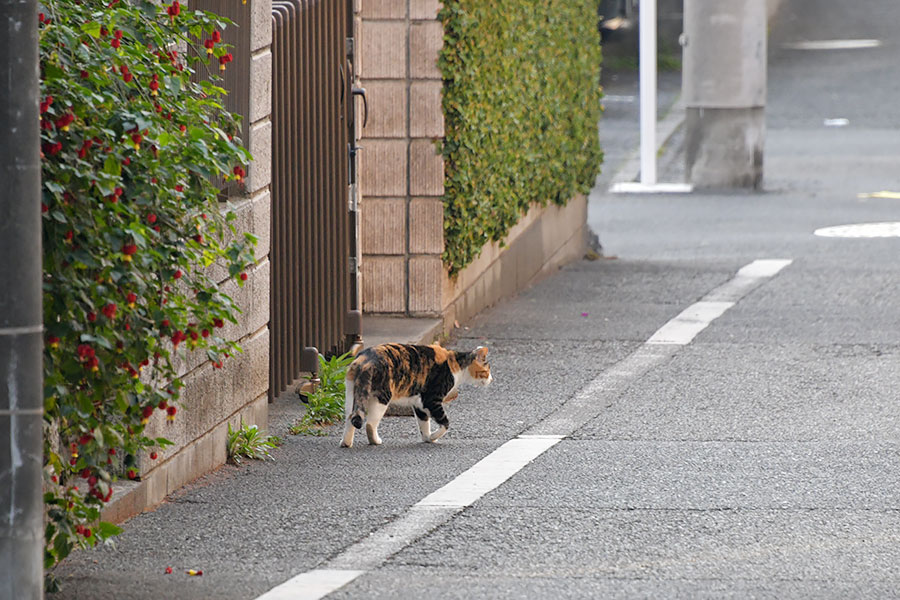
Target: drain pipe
{"x": 353, "y": 321}
{"x": 21, "y": 397}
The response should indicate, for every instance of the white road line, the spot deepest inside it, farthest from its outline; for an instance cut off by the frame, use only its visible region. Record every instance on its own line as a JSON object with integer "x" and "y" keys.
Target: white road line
{"x": 497, "y": 467}
{"x": 692, "y": 320}
{"x": 832, "y": 44}
{"x": 311, "y": 585}
{"x": 490, "y": 472}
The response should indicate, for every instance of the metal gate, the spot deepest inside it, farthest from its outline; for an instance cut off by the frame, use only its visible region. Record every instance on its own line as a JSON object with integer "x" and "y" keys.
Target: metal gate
{"x": 314, "y": 293}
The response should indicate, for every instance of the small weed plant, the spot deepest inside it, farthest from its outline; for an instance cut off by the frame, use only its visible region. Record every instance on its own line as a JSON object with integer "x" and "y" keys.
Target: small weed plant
{"x": 248, "y": 442}
{"x": 325, "y": 405}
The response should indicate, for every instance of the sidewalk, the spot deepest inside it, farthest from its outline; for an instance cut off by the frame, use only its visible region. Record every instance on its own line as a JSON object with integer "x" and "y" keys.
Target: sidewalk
{"x": 759, "y": 460}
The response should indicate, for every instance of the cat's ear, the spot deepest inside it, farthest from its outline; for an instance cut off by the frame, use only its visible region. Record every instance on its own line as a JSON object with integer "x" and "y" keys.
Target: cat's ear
{"x": 481, "y": 353}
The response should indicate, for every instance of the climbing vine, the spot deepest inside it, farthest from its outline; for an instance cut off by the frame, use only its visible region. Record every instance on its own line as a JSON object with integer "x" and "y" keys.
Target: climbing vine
{"x": 521, "y": 105}
{"x": 135, "y": 145}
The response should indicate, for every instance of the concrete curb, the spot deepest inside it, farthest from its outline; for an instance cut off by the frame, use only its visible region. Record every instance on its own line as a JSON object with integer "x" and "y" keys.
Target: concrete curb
{"x": 665, "y": 129}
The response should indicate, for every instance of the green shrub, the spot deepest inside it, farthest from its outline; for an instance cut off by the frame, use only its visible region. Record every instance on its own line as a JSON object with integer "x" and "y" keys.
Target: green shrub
{"x": 132, "y": 230}
{"x": 247, "y": 442}
{"x": 325, "y": 404}
{"x": 521, "y": 106}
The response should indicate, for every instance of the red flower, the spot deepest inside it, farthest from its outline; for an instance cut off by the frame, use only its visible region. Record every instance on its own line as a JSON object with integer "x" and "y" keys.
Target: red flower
{"x": 127, "y": 77}
{"x": 115, "y": 43}
{"x": 216, "y": 36}
{"x": 243, "y": 277}
{"x": 165, "y": 323}
{"x": 177, "y": 274}
{"x": 146, "y": 413}
{"x": 239, "y": 172}
{"x": 205, "y": 333}
{"x": 91, "y": 317}
{"x": 85, "y": 147}
{"x": 110, "y": 311}
{"x": 174, "y": 9}
{"x": 132, "y": 298}
{"x": 224, "y": 59}
{"x": 153, "y": 455}
{"x": 151, "y": 218}
{"x": 119, "y": 191}
{"x": 154, "y": 85}
{"x": 85, "y": 74}
{"x": 112, "y": 451}
{"x": 129, "y": 249}
{"x": 137, "y": 138}
{"x": 53, "y": 341}
{"x": 132, "y": 474}
{"x": 179, "y": 188}
{"x": 209, "y": 45}
{"x": 84, "y": 352}
{"x": 178, "y": 337}
{"x": 171, "y": 413}
{"x": 64, "y": 121}
{"x": 117, "y": 34}
{"x": 218, "y": 323}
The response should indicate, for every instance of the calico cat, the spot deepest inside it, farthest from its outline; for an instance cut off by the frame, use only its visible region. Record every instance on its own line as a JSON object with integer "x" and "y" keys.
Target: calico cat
{"x": 423, "y": 377}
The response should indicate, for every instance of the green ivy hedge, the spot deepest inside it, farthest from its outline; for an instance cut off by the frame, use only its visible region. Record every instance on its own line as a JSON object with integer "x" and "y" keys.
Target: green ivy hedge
{"x": 521, "y": 105}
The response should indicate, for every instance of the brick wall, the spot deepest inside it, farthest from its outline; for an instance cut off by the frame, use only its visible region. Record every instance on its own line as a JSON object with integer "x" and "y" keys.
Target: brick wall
{"x": 401, "y": 170}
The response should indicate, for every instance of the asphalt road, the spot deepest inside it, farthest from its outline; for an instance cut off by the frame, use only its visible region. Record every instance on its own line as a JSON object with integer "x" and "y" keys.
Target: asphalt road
{"x": 759, "y": 460}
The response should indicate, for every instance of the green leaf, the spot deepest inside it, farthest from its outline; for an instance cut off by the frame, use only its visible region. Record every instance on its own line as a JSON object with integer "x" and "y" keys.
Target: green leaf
{"x": 92, "y": 29}
{"x": 107, "y": 530}
{"x": 172, "y": 83}
{"x": 112, "y": 166}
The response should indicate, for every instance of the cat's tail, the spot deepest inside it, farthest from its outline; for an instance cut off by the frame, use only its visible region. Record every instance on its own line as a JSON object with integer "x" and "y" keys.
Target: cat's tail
{"x": 353, "y": 411}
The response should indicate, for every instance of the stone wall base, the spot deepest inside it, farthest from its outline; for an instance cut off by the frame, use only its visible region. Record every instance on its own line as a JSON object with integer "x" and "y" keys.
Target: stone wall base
{"x": 192, "y": 461}
{"x": 544, "y": 240}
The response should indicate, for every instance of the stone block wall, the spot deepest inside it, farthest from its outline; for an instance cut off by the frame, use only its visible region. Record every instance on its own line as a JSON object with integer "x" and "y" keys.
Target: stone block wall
{"x": 402, "y": 183}
{"x": 214, "y": 398}
{"x": 401, "y": 169}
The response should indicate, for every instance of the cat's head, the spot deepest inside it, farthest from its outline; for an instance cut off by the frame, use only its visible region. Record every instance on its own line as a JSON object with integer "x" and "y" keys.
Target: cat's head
{"x": 479, "y": 370}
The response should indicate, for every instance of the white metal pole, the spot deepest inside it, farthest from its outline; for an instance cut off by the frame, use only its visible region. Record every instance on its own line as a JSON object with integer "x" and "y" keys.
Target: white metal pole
{"x": 647, "y": 66}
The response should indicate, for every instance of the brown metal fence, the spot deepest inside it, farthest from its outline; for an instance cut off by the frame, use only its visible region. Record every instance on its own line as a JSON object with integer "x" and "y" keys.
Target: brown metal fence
{"x": 311, "y": 225}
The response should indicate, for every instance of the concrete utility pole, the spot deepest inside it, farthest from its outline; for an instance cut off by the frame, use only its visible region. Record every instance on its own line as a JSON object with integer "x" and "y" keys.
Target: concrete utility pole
{"x": 724, "y": 89}
{"x": 21, "y": 397}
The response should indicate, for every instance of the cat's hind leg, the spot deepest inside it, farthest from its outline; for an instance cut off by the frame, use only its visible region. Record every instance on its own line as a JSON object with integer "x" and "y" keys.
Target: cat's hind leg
{"x": 424, "y": 420}
{"x": 352, "y": 418}
{"x": 375, "y": 411}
